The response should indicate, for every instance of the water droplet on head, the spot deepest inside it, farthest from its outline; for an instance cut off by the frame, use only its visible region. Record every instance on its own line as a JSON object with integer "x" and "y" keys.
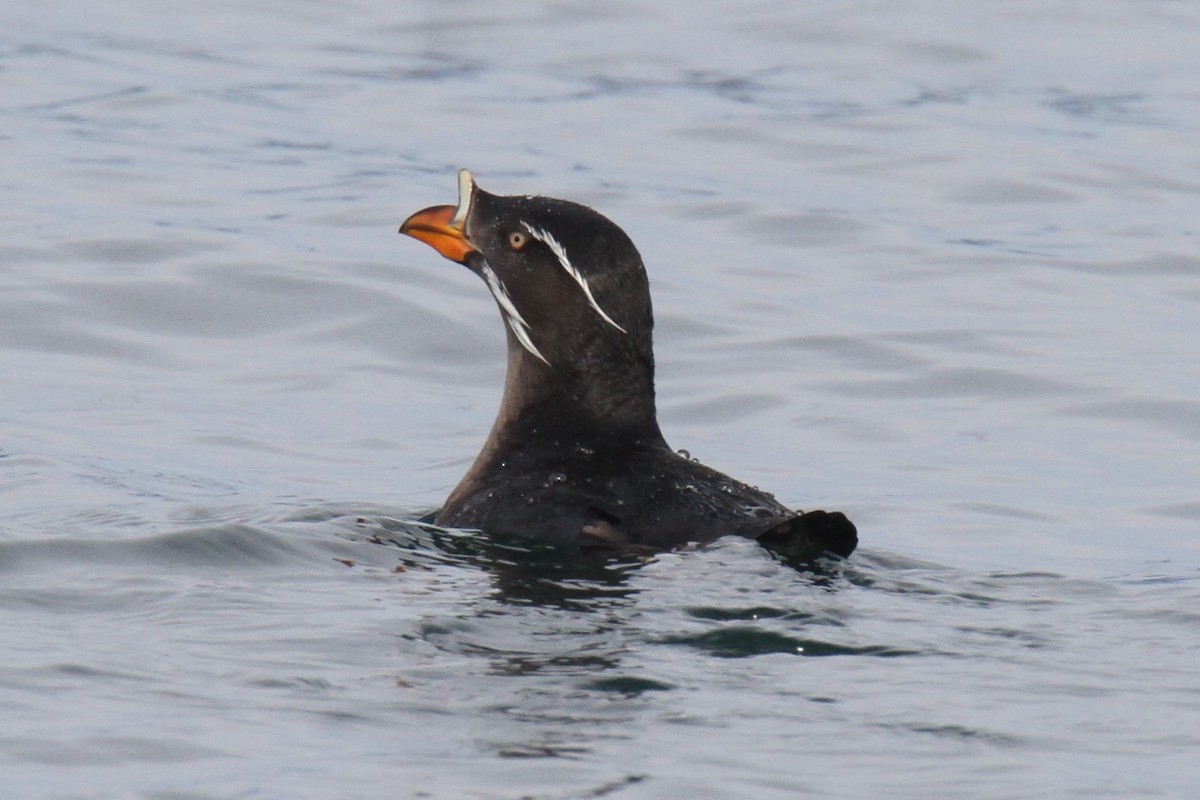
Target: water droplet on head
{"x": 558, "y": 477}
{"x": 684, "y": 453}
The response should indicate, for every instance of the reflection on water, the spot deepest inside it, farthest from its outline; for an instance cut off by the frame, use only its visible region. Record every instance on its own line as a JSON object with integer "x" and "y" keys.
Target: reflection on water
{"x": 521, "y": 572}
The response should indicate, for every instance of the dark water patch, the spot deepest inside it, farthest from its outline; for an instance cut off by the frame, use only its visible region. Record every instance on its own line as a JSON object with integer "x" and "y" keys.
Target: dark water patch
{"x": 433, "y": 67}
{"x": 966, "y": 734}
{"x": 1105, "y": 107}
{"x": 511, "y": 664}
{"x": 287, "y": 144}
{"x": 522, "y": 572}
{"x": 737, "y": 614}
{"x": 565, "y": 645}
{"x": 743, "y": 88}
{"x": 567, "y": 751}
{"x": 612, "y": 787}
{"x": 957, "y": 96}
{"x": 309, "y": 685}
{"x": 740, "y": 641}
{"x": 756, "y": 613}
{"x": 628, "y": 685}
{"x": 1025, "y": 638}
{"x": 1002, "y": 246}
{"x": 99, "y": 98}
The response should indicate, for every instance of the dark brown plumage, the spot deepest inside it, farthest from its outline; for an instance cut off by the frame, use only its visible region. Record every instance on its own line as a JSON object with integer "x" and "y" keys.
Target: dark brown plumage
{"x": 575, "y": 456}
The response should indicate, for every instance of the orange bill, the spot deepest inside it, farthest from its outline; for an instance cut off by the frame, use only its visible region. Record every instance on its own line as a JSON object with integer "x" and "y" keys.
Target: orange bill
{"x": 437, "y": 227}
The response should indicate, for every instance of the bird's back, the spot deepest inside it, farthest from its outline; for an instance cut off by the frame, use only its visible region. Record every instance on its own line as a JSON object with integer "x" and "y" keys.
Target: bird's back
{"x": 648, "y": 497}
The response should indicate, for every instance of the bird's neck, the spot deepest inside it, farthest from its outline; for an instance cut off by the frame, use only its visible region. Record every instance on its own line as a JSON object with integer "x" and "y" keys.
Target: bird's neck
{"x": 598, "y": 401}
{"x": 548, "y": 415}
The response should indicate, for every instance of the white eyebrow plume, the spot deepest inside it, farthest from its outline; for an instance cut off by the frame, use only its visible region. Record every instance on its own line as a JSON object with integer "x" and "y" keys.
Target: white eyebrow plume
{"x": 516, "y": 322}
{"x": 466, "y": 187}
{"x": 561, "y": 254}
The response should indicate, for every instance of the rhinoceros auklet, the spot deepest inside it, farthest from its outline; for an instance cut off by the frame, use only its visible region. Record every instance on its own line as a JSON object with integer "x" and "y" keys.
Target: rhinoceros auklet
{"x": 575, "y": 457}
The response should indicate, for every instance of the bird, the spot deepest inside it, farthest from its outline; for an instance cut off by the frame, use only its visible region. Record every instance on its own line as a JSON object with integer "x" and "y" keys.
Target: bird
{"x": 576, "y": 458}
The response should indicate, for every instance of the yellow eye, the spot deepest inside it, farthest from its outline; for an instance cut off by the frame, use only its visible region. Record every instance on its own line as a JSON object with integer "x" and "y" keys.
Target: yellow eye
{"x": 517, "y": 240}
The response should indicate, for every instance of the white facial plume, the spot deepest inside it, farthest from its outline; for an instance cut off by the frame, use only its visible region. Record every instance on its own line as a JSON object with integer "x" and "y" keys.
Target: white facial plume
{"x": 561, "y": 254}
{"x": 512, "y": 316}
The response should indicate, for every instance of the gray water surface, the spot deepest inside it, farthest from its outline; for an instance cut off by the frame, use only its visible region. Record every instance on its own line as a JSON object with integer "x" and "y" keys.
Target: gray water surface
{"x": 931, "y": 264}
